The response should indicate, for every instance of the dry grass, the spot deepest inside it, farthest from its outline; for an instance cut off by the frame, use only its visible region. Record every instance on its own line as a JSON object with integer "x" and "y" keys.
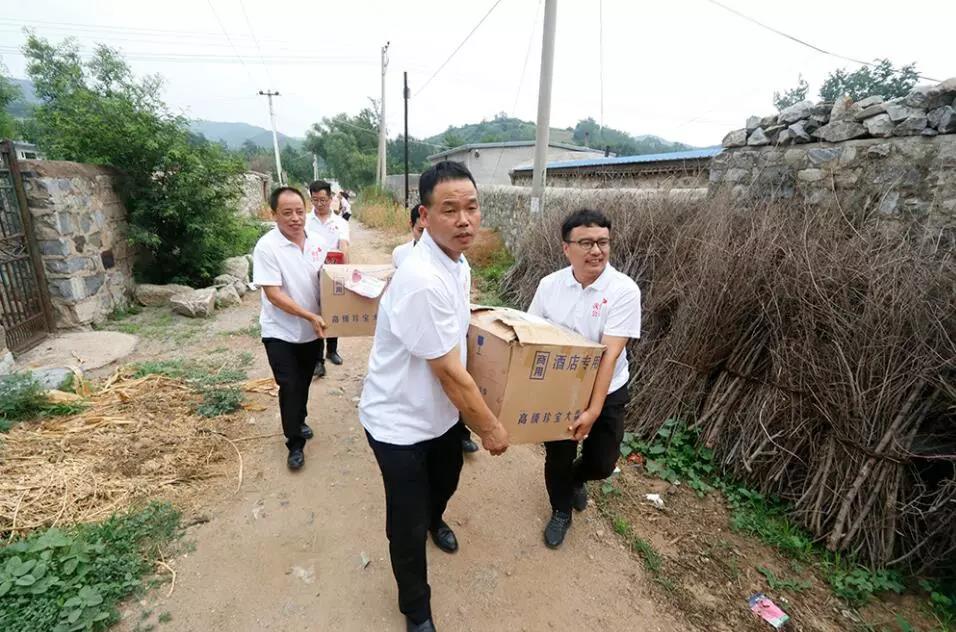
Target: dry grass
{"x": 814, "y": 348}
{"x": 138, "y": 439}
{"x": 376, "y": 209}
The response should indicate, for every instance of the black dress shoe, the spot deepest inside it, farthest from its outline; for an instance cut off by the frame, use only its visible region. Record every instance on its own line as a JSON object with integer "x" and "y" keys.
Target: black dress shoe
{"x": 579, "y": 498}
{"x": 319, "y": 370}
{"x": 424, "y": 626}
{"x": 444, "y": 538}
{"x": 334, "y": 358}
{"x": 306, "y": 432}
{"x": 469, "y": 446}
{"x": 557, "y": 528}
{"x": 296, "y": 459}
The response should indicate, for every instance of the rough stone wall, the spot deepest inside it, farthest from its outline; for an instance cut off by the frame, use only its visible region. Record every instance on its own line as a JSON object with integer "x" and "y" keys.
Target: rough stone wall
{"x": 635, "y": 180}
{"x": 81, "y": 229}
{"x": 507, "y": 208}
{"x": 255, "y": 189}
{"x": 900, "y": 153}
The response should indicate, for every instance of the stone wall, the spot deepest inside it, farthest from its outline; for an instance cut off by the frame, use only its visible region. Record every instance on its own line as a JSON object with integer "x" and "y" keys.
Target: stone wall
{"x": 254, "y": 197}
{"x": 507, "y": 208}
{"x": 6, "y": 358}
{"x": 901, "y": 153}
{"x": 81, "y": 229}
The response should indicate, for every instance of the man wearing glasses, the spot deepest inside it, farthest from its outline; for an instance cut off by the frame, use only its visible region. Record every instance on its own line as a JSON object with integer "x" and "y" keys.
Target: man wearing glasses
{"x": 332, "y": 232}
{"x": 603, "y": 305}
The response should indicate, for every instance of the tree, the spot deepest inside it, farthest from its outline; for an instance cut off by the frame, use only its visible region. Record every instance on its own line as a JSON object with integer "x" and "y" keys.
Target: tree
{"x": 349, "y": 146}
{"x": 453, "y": 139}
{"x": 793, "y": 95}
{"x": 418, "y": 153}
{"x": 296, "y": 163}
{"x": 180, "y": 190}
{"x": 8, "y": 94}
{"x": 881, "y": 79}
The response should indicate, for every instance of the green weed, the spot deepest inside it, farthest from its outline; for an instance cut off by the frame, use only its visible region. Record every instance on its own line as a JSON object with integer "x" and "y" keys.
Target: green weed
{"x": 673, "y": 455}
{"x": 780, "y": 583}
{"x": 217, "y": 385}
{"x": 220, "y": 401}
{"x": 165, "y": 617}
{"x": 22, "y": 398}
{"x": 72, "y": 580}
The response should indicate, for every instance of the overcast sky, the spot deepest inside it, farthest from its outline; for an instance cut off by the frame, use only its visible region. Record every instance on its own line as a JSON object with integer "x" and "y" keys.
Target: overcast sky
{"x": 685, "y": 70}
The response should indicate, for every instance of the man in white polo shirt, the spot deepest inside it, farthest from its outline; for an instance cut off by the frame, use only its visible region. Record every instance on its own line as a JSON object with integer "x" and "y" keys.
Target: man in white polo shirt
{"x": 417, "y": 385}
{"x": 603, "y": 305}
{"x": 286, "y": 264}
{"x": 401, "y": 252}
{"x": 333, "y": 234}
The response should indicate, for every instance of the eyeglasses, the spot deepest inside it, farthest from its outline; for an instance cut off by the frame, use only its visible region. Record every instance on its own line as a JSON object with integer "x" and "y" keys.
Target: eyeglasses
{"x": 587, "y": 244}
{"x": 321, "y": 200}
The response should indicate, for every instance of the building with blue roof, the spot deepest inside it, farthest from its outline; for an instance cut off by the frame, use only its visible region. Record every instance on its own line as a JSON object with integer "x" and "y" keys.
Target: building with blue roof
{"x": 676, "y": 170}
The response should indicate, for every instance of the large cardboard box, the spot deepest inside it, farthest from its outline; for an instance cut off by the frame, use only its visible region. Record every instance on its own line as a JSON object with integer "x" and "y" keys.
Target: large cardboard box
{"x": 535, "y": 376}
{"x": 349, "y": 296}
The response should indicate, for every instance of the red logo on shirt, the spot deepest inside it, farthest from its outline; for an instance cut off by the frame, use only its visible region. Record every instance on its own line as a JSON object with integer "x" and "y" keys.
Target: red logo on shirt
{"x": 317, "y": 256}
{"x": 596, "y": 310}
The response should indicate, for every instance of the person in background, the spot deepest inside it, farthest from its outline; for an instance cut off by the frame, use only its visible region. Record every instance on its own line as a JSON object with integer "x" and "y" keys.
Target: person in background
{"x": 603, "y": 305}
{"x": 417, "y": 388}
{"x": 399, "y": 254}
{"x": 286, "y": 264}
{"x": 402, "y": 251}
{"x": 332, "y": 232}
{"x": 345, "y": 205}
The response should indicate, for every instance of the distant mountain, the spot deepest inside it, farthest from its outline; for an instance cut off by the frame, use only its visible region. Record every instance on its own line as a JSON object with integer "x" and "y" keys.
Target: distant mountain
{"x": 501, "y": 128}
{"x": 235, "y": 134}
{"x": 586, "y": 133}
{"x": 21, "y": 107}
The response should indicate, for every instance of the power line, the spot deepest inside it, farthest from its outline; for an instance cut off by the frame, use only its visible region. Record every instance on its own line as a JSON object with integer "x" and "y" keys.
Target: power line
{"x": 71, "y": 26}
{"x": 234, "y": 49}
{"x": 524, "y": 67}
{"x": 803, "y": 42}
{"x": 200, "y": 58}
{"x": 242, "y": 5}
{"x": 458, "y": 48}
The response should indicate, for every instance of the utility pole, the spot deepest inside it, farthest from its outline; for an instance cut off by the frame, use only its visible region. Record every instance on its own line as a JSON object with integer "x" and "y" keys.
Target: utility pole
{"x": 381, "y": 125}
{"x": 315, "y": 166}
{"x": 275, "y": 139}
{"x": 543, "y": 129}
{"x": 406, "y": 95}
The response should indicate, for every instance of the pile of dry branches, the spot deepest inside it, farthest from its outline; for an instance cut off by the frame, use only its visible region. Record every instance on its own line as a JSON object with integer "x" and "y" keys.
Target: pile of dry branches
{"x": 813, "y": 348}
{"x": 137, "y": 439}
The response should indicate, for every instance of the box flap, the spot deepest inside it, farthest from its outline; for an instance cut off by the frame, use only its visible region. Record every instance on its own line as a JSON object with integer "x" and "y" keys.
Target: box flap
{"x": 511, "y": 324}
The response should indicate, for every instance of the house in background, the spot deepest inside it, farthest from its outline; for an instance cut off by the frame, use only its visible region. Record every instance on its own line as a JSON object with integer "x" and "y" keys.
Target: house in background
{"x": 491, "y": 163}
{"x": 675, "y": 170}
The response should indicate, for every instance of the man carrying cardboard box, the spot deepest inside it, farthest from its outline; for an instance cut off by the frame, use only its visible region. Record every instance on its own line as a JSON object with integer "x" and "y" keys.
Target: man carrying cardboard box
{"x": 603, "y": 305}
{"x": 399, "y": 254}
{"x": 332, "y": 231}
{"x": 285, "y": 264}
{"x": 417, "y": 385}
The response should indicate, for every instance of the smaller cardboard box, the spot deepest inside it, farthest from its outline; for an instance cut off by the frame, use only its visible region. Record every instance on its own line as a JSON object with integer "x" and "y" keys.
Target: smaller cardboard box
{"x": 535, "y": 376}
{"x": 349, "y": 296}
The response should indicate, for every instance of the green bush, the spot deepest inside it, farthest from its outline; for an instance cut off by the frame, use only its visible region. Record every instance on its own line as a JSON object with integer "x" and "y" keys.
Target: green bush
{"x": 180, "y": 189}
{"x": 71, "y": 580}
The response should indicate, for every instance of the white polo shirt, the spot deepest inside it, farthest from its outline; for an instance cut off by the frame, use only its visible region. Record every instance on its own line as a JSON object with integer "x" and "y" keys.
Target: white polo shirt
{"x": 400, "y": 253}
{"x": 329, "y": 232}
{"x": 278, "y": 261}
{"x": 609, "y": 306}
{"x": 423, "y": 315}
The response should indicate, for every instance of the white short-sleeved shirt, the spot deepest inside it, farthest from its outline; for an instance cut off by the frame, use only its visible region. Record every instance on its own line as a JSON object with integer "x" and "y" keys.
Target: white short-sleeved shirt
{"x": 423, "y": 315}
{"x": 278, "y": 261}
{"x": 329, "y": 232}
{"x": 609, "y": 306}
{"x": 401, "y": 252}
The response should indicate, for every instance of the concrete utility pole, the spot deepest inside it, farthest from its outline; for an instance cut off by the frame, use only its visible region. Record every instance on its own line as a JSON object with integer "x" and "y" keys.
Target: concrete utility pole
{"x": 381, "y": 126}
{"x": 406, "y": 94}
{"x": 275, "y": 139}
{"x": 543, "y": 129}
{"x": 315, "y": 166}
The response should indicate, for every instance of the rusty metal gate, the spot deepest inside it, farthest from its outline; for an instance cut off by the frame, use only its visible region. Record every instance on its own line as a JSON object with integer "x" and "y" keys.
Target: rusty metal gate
{"x": 24, "y": 303}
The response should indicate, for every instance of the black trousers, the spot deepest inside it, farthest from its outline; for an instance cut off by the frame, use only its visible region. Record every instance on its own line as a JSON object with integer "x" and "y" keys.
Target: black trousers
{"x": 292, "y": 367}
{"x": 419, "y": 480}
{"x": 599, "y": 453}
{"x": 333, "y": 347}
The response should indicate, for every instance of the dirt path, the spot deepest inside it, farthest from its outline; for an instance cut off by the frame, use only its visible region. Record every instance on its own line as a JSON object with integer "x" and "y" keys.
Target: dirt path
{"x": 286, "y": 552}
